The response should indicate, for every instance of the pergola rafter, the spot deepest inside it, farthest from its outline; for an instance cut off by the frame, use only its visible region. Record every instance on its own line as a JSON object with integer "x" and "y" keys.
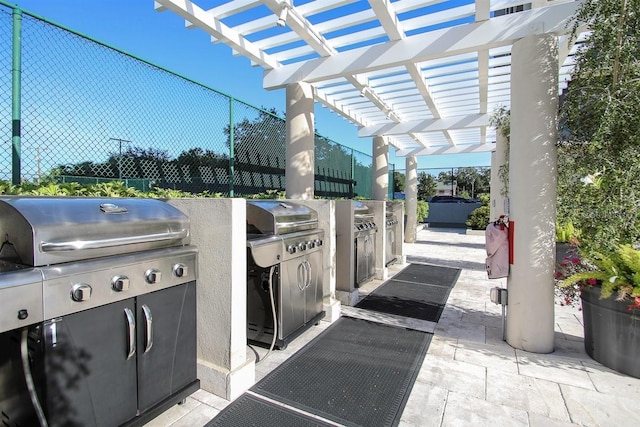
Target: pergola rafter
{"x": 426, "y": 74}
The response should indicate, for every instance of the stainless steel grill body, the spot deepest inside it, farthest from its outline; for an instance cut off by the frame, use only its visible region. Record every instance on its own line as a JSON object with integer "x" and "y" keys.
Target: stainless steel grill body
{"x": 284, "y": 253}
{"x": 102, "y": 294}
{"x": 364, "y": 243}
{"x": 391, "y": 223}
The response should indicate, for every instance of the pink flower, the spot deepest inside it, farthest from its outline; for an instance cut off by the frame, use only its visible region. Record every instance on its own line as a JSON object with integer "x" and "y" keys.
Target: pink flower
{"x": 575, "y": 260}
{"x": 592, "y": 282}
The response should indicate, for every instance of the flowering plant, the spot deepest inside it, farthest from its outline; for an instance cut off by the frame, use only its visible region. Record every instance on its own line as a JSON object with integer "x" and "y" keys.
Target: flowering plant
{"x": 571, "y": 264}
{"x": 616, "y": 272}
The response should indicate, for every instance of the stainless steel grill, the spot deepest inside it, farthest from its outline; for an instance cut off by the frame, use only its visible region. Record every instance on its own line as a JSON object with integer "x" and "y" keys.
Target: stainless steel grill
{"x": 99, "y": 296}
{"x": 391, "y": 223}
{"x": 365, "y": 243}
{"x": 284, "y": 259}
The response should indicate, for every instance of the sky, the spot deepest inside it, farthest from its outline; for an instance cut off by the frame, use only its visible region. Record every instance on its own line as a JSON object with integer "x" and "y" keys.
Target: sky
{"x": 161, "y": 38}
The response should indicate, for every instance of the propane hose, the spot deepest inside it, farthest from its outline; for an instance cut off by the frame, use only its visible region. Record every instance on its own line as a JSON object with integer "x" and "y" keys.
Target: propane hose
{"x": 273, "y": 313}
{"x": 24, "y": 352}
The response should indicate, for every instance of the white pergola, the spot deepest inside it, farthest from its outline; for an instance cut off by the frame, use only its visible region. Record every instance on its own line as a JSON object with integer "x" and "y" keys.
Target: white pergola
{"x": 423, "y": 78}
{"x": 426, "y": 75}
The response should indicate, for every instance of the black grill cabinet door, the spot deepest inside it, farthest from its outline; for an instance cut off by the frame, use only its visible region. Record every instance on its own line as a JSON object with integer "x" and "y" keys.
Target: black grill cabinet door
{"x": 166, "y": 322}
{"x": 89, "y": 379}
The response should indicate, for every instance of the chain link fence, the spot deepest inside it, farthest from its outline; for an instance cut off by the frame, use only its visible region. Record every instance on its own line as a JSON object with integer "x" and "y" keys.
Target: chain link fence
{"x": 90, "y": 113}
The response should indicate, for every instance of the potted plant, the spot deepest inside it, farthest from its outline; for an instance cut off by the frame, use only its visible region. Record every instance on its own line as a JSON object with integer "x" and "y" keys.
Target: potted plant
{"x": 608, "y": 286}
{"x": 599, "y": 181}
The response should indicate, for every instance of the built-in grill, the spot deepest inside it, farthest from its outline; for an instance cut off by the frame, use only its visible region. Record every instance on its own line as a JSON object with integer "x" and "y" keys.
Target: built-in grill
{"x": 365, "y": 242}
{"x": 391, "y": 229}
{"x": 99, "y": 310}
{"x": 284, "y": 271}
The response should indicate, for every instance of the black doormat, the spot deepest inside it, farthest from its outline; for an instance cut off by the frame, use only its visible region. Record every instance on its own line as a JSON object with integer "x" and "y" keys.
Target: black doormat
{"x": 247, "y": 410}
{"x": 415, "y": 300}
{"x": 429, "y": 274}
{"x": 356, "y": 373}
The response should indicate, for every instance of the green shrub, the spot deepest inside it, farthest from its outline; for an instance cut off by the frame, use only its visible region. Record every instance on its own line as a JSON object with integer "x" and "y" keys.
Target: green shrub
{"x": 422, "y": 212}
{"x": 479, "y": 218}
{"x": 565, "y": 232}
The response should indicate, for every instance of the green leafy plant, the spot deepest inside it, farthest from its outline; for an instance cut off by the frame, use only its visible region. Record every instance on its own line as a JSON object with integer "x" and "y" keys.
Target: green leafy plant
{"x": 616, "y": 272}
{"x": 479, "y": 218}
{"x": 566, "y": 233}
{"x": 598, "y": 155}
{"x": 422, "y": 211}
{"x": 501, "y": 120}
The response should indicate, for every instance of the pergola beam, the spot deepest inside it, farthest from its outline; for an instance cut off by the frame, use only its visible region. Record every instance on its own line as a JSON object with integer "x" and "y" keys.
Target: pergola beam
{"x": 496, "y": 32}
{"x": 421, "y": 126}
{"x": 458, "y": 149}
{"x": 195, "y": 15}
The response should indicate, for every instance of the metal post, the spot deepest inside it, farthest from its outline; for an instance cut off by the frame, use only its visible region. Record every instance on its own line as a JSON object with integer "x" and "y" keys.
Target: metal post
{"x": 232, "y": 158}
{"x": 120, "y": 141}
{"x": 16, "y": 72}
{"x": 452, "y": 191}
{"x": 353, "y": 175}
{"x": 38, "y": 164}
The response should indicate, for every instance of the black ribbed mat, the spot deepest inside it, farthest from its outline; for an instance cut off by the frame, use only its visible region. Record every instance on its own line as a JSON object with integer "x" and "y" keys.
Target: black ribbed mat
{"x": 247, "y": 410}
{"x": 429, "y": 274}
{"x": 420, "y": 291}
{"x": 356, "y": 373}
{"x": 424, "y": 302}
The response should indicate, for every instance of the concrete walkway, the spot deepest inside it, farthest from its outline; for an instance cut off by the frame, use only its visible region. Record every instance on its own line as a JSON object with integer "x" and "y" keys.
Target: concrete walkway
{"x": 470, "y": 376}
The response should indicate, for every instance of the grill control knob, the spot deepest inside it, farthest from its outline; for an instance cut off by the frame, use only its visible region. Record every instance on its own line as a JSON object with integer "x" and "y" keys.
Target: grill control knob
{"x": 311, "y": 244}
{"x": 81, "y": 292}
{"x": 153, "y": 276}
{"x": 319, "y": 242}
{"x": 180, "y": 270}
{"x": 291, "y": 249}
{"x": 120, "y": 283}
{"x": 302, "y": 246}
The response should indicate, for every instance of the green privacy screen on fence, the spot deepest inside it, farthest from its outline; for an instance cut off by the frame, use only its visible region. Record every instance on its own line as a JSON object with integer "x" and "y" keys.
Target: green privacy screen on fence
{"x": 90, "y": 113}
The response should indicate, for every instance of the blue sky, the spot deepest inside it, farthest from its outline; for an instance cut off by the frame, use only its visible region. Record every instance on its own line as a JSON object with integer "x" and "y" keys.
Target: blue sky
{"x": 161, "y": 38}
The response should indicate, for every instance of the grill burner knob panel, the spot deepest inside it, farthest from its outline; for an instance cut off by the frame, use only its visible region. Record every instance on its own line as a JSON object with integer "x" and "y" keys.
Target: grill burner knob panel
{"x": 81, "y": 292}
{"x": 180, "y": 270}
{"x": 153, "y": 276}
{"x": 120, "y": 283}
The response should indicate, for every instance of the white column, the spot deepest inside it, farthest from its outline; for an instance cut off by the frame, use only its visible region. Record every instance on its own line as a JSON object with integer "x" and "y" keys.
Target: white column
{"x": 380, "y": 168}
{"x": 300, "y": 169}
{"x": 532, "y": 193}
{"x": 498, "y": 160}
{"x": 411, "y": 200}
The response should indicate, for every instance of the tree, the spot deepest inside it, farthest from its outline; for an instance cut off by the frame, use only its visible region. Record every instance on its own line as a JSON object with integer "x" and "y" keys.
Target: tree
{"x": 262, "y": 138}
{"x": 427, "y": 186}
{"x": 599, "y": 154}
{"x": 398, "y": 182}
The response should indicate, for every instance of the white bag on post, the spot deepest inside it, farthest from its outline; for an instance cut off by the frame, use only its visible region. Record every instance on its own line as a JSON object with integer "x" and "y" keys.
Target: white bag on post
{"x": 497, "y": 245}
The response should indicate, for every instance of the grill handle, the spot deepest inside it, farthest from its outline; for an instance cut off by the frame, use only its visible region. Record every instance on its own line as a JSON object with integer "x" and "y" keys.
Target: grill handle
{"x": 75, "y": 245}
{"x": 131, "y": 321}
{"x": 148, "y": 319}
{"x": 297, "y": 223}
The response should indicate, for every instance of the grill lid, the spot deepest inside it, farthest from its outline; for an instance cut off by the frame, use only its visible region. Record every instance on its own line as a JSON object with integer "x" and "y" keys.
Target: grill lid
{"x": 51, "y": 230}
{"x": 275, "y": 217}
{"x": 361, "y": 212}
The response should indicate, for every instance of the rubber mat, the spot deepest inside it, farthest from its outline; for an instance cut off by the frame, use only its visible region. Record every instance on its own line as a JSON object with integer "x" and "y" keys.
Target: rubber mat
{"x": 429, "y": 274}
{"x": 356, "y": 373}
{"x": 247, "y": 410}
{"x": 415, "y": 300}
